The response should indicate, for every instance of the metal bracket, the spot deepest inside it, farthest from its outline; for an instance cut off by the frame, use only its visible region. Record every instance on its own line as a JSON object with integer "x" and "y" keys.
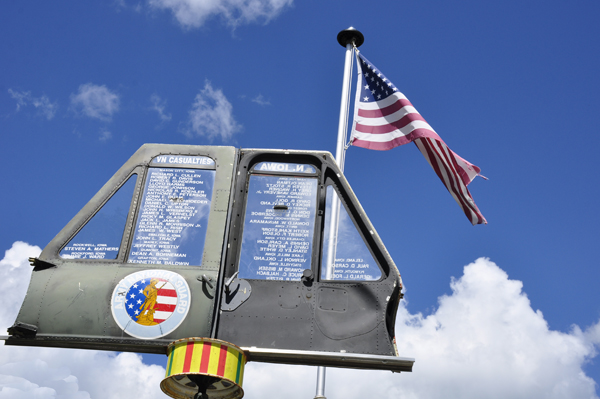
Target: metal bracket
{"x": 23, "y": 330}
{"x": 237, "y": 291}
{"x": 39, "y": 264}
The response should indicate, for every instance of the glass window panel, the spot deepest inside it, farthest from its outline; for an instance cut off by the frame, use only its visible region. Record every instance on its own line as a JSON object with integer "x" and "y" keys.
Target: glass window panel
{"x": 279, "y": 227}
{"x": 101, "y": 237}
{"x": 173, "y": 217}
{"x": 353, "y": 260}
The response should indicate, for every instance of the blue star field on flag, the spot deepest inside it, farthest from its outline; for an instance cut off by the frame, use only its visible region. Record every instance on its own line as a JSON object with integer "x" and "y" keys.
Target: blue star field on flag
{"x": 375, "y": 85}
{"x": 135, "y": 298}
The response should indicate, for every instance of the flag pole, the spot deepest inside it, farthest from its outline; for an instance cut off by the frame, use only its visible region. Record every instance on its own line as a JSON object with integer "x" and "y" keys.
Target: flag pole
{"x": 348, "y": 38}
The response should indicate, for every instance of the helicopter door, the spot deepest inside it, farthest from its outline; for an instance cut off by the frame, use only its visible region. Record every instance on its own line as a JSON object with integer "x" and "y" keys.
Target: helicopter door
{"x": 305, "y": 270}
{"x": 266, "y": 298}
{"x": 137, "y": 267}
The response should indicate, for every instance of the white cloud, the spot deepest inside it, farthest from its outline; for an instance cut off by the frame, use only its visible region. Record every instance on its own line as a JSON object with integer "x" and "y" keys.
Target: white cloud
{"x": 47, "y": 108}
{"x": 135, "y": 5}
{"x": 43, "y": 104}
{"x": 14, "y": 279}
{"x": 260, "y": 100}
{"x": 95, "y": 101}
{"x": 212, "y": 115}
{"x": 76, "y": 374}
{"x": 45, "y": 373}
{"x": 159, "y": 106}
{"x": 483, "y": 341}
{"x": 194, "y": 13}
{"x": 105, "y": 135}
{"x": 21, "y": 97}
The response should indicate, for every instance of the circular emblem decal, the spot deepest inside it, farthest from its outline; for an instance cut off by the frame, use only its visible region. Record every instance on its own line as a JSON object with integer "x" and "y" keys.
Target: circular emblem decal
{"x": 150, "y": 303}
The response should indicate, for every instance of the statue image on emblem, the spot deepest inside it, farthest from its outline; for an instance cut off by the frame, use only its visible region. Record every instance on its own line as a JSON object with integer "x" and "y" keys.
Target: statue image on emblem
{"x": 151, "y": 301}
{"x": 146, "y": 317}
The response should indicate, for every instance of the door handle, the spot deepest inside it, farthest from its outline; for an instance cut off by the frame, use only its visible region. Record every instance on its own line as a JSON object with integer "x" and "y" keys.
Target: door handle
{"x": 228, "y": 282}
{"x": 207, "y": 280}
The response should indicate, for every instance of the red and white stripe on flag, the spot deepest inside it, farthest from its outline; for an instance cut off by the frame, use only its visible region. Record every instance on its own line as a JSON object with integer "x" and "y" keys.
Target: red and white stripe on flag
{"x": 384, "y": 119}
{"x": 447, "y": 165}
{"x": 166, "y": 302}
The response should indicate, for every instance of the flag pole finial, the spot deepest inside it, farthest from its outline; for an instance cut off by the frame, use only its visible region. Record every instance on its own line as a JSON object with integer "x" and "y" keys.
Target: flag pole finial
{"x": 350, "y": 36}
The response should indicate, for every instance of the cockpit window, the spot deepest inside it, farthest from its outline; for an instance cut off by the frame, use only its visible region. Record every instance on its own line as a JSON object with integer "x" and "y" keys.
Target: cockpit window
{"x": 173, "y": 216}
{"x": 345, "y": 254}
{"x": 101, "y": 237}
{"x": 279, "y": 226}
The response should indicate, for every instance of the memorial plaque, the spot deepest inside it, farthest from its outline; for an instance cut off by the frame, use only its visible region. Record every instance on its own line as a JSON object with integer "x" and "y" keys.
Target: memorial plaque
{"x": 173, "y": 216}
{"x": 278, "y": 227}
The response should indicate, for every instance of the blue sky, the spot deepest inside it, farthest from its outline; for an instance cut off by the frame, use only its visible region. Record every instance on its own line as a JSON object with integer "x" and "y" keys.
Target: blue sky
{"x": 510, "y": 86}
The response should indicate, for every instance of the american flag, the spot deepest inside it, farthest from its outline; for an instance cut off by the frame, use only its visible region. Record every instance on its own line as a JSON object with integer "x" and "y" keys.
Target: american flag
{"x": 384, "y": 119}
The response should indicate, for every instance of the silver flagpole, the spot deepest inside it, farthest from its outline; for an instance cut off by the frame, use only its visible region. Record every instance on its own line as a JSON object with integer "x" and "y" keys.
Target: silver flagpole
{"x": 348, "y": 38}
